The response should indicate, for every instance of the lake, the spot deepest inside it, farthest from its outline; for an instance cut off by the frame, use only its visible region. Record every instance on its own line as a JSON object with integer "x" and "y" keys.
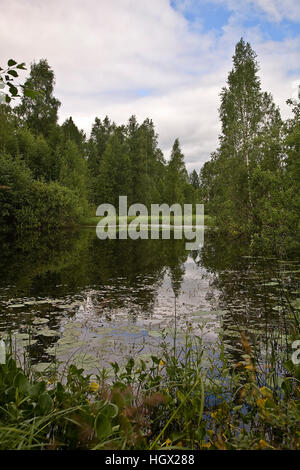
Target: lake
{"x": 87, "y": 301}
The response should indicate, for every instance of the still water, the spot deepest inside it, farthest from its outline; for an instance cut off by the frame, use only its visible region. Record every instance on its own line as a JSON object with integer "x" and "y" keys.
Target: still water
{"x": 90, "y": 302}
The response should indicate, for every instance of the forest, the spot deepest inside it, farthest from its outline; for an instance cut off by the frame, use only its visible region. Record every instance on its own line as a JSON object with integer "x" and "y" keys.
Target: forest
{"x": 112, "y": 336}
{"x": 53, "y": 175}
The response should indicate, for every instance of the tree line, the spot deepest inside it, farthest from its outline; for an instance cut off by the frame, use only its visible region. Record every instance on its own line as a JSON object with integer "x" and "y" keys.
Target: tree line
{"x": 53, "y": 175}
{"x": 251, "y": 182}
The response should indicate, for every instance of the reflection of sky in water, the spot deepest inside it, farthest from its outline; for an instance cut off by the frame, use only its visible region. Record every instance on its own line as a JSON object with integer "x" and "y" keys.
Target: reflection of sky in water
{"x": 90, "y": 325}
{"x": 98, "y": 308}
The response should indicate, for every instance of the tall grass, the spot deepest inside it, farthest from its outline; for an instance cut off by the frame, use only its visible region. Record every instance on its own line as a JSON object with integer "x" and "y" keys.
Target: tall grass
{"x": 191, "y": 397}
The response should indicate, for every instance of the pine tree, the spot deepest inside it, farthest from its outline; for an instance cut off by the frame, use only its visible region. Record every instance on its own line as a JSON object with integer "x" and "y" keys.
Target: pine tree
{"x": 100, "y": 134}
{"x": 177, "y": 177}
{"x": 71, "y": 132}
{"x": 114, "y": 178}
{"x": 194, "y": 179}
{"x": 73, "y": 171}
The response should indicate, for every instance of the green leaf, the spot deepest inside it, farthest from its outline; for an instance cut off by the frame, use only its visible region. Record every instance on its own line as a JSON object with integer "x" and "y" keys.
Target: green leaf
{"x": 21, "y": 383}
{"x": 12, "y": 89}
{"x": 13, "y": 73}
{"x": 111, "y": 410}
{"x": 37, "y": 389}
{"x": 21, "y": 66}
{"x": 11, "y": 62}
{"x": 29, "y": 93}
{"x": 45, "y": 403}
{"x": 102, "y": 426}
{"x": 237, "y": 408}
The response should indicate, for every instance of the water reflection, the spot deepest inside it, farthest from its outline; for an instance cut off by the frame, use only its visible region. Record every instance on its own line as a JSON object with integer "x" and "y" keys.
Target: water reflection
{"x": 75, "y": 296}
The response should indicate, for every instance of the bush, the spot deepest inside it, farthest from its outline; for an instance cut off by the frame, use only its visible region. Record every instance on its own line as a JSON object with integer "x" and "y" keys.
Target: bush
{"x": 29, "y": 204}
{"x": 48, "y": 205}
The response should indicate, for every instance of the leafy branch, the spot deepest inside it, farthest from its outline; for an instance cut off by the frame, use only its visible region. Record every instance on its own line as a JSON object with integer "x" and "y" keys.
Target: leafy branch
{"x": 7, "y": 79}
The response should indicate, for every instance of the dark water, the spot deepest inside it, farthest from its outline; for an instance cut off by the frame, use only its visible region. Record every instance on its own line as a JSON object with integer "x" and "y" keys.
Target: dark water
{"x": 77, "y": 298}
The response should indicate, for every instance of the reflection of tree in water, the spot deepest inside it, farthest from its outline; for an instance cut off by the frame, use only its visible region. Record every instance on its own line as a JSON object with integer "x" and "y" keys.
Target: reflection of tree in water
{"x": 243, "y": 294}
{"x": 78, "y": 260}
{"x": 26, "y": 260}
{"x": 177, "y": 258}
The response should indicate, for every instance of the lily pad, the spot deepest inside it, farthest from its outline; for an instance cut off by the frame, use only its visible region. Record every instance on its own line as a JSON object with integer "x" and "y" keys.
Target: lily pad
{"x": 47, "y": 332}
{"x": 154, "y": 334}
{"x": 42, "y": 366}
{"x": 296, "y": 303}
{"x": 40, "y": 321}
{"x": 72, "y": 325}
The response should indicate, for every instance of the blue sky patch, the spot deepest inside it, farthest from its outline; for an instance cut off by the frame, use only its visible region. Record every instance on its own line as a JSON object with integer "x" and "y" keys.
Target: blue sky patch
{"x": 209, "y": 16}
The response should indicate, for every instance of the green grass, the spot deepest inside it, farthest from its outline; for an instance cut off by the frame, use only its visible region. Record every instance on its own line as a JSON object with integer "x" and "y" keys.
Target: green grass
{"x": 163, "y": 403}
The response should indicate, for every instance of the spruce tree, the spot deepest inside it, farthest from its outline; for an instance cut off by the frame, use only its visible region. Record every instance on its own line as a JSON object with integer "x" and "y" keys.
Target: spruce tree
{"x": 177, "y": 176}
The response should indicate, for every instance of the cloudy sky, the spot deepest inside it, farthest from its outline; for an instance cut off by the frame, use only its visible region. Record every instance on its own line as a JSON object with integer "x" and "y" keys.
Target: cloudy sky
{"x": 163, "y": 59}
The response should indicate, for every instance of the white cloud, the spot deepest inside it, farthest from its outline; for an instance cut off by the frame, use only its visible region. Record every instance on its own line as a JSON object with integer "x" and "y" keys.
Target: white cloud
{"x": 106, "y": 54}
{"x": 275, "y": 10}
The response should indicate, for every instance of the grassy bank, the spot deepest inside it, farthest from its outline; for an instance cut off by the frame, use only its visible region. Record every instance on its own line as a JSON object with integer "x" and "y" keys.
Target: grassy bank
{"x": 179, "y": 399}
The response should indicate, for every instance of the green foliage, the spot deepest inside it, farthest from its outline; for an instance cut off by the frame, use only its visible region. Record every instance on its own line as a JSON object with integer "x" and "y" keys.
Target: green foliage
{"x": 73, "y": 170}
{"x": 48, "y": 206}
{"x": 127, "y": 161}
{"x": 16, "y": 180}
{"x": 114, "y": 171}
{"x": 27, "y": 203}
{"x": 40, "y": 111}
{"x": 7, "y": 77}
{"x": 251, "y": 183}
{"x": 174, "y": 401}
{"x": 115, "y": 161}
{"x": 194, "y": 179}
{"x": 177, "y": 177}
{"x": 43, "y": 168}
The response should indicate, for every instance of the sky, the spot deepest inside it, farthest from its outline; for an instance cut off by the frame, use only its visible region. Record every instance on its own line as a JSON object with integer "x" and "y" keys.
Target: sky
{"x": 163, "y": 59}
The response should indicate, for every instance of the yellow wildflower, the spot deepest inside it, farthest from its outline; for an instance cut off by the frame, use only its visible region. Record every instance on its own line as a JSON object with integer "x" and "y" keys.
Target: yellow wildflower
{"x": 205, "y": 445}
{"x": 261, "y": 402}
{"x": 266, "y": 392}
{"x": 263, "y": 444}
{"x": 166, "y": 443}
{"x": 94, "y": 387}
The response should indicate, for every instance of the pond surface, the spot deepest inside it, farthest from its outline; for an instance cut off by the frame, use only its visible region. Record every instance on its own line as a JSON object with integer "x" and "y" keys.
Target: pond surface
{"x": 91, "y": 302}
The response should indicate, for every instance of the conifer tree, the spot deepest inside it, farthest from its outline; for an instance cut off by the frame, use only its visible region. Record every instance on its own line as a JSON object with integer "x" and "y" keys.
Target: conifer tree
{"x": 177, "y": 176}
